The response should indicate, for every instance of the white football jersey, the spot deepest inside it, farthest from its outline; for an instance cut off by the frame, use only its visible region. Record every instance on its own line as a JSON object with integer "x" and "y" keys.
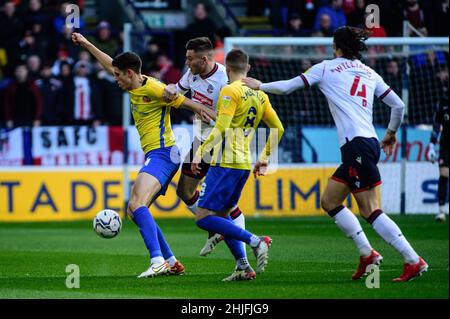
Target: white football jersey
{"x": 204, "y": 90}
{"x": 349, "y": 87}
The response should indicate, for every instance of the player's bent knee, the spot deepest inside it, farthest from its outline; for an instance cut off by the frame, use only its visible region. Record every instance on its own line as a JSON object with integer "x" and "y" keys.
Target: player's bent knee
{"x": 186, "y": 188}
{"x": 328, "y": 205}
{"x": 135, "y": 203}
{"x": 324, "y": 204}
{"x": 183, "y": 194}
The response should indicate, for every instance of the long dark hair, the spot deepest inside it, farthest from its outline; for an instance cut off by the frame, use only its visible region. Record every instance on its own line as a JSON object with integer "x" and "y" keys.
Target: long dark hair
{"x": 351, "y": 41}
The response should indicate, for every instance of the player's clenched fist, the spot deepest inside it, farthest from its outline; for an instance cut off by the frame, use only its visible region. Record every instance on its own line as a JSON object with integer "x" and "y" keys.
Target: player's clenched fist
{"x": 170, "y": 93}
{"x": 79, "y": 39}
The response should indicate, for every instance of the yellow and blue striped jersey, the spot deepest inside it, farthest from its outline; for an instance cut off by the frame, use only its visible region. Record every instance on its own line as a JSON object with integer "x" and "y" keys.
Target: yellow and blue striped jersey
{"x": 240, "y": 110}
{"x": 152, "y": 115}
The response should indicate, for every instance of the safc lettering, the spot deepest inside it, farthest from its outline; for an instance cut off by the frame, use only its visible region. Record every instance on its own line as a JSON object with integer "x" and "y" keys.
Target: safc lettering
{"x": 203, "y": 99}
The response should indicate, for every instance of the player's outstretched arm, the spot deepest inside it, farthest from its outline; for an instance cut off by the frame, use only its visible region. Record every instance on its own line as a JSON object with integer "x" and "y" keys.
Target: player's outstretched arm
{"x": 252, "y": 83}
{"x": 99, "y": 55}
{"x": 208, "y": 115}
{"x": 278, "y": 87}
{"x": 313, "y": 76}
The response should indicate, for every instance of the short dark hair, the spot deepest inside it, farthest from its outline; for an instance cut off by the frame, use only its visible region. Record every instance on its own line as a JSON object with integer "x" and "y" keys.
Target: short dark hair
{"x": 237, "y": 60}
{"x": 202, "y": 44}
{"x": 351, "y": 41}
{"x": 128, "y": 60}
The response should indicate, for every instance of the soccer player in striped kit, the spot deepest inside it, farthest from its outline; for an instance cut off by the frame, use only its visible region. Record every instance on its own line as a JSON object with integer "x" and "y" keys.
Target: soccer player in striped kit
{"x": 350, "y": 87}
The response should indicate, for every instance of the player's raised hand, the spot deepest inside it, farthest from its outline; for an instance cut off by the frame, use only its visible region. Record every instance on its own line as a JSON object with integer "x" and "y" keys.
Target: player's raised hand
{"x": 260, "y": 168}
{"x": 170, "y": 93}
{"x": 79, "y": 39}
{"x": 252, "y": 83}
{"x": 388, "y": 143}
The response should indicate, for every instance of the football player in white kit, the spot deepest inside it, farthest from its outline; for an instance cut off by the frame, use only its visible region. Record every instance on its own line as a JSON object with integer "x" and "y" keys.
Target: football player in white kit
{"x": 349, "y": 87}
{"x": 204, "y": 79}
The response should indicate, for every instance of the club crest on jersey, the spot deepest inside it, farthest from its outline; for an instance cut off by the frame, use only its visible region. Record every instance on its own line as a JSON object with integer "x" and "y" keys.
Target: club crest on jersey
{"x": 226, "y": 101}
{"x": 194, "y": 79}
{"x": 146, "y": 99}
{"x": 210, "y": 88}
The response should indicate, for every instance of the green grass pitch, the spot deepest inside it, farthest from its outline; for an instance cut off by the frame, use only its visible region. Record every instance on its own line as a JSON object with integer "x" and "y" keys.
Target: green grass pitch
{"x": 309, "y": 258}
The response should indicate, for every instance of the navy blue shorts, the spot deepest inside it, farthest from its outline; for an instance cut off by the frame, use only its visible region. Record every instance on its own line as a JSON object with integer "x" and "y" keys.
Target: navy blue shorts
{"x": 359, "y": 170}
{"x": 222, "y": 188}
{"x": 163, "y": 164}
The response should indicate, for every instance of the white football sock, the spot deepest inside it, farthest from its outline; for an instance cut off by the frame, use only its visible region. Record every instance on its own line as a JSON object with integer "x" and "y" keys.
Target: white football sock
{"x": 157, "y": 260}
{"x": 242, "y": 263}
{"x": 172, "y": 261}
{"x": 391, "y": 233}
{"x": 442, "y": 209}
{"x": 240, "y": 221}
{"x": 349, "y": 224}
{"x": 254, "y": 241}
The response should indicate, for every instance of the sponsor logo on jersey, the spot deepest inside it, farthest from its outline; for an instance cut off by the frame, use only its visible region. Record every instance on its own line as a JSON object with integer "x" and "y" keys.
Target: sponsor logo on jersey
{"x": 203, "y": 99}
